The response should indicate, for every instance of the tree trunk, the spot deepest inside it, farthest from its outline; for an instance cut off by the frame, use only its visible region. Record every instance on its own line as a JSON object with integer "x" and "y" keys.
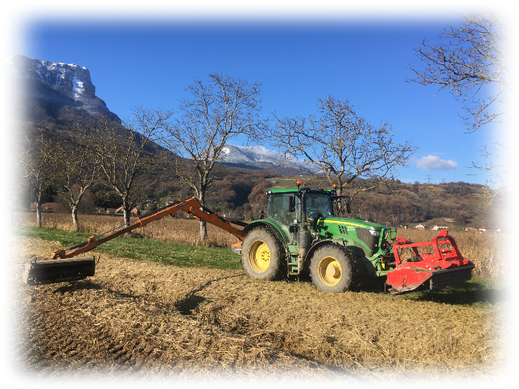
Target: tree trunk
{"x": 339, "y": 202}
{"x": 75, "y": 221}
{"x": 203, "y": 230}
{"x": 126, "y": 210}
{"x": 38, "y": 214}
{"x": 126, "y": 215}
{"x": 203, "y": 224}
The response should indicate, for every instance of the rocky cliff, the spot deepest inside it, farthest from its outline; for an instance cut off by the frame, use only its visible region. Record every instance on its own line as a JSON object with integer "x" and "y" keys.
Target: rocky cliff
{"x": 54, "y": 93}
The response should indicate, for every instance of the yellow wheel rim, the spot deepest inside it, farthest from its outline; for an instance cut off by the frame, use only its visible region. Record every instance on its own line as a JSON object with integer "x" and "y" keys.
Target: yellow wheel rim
{"x": 259, "y": 256}
{"x": 330, "y": 271}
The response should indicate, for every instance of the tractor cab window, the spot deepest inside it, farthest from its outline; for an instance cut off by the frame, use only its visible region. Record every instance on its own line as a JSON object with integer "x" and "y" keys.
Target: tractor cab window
{"x": 279, "y": 206}
{"x": 319, "y": 205}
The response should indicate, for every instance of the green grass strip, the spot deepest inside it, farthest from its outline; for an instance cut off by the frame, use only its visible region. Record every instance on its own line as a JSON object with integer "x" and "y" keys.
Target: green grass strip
{"x": 144, "y": 249}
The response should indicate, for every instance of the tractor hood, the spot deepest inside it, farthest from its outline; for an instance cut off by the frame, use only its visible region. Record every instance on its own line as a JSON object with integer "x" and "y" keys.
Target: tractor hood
{"x": 349, "y": 223}
{"x": 369, "y": 237}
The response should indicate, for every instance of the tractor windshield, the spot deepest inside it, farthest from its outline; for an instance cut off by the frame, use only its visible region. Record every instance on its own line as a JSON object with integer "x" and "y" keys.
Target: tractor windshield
{"x": 278, "y": 208}
{"x": 319, "y": 205}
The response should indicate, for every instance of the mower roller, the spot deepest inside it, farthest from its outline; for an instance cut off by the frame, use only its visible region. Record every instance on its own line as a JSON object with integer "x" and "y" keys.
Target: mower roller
{"x": 58, "y": 270}
{"x": 300, "y": 234}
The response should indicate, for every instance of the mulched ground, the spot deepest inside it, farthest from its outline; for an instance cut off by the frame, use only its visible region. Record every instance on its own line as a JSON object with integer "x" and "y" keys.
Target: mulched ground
{"x": 146, "y": 321}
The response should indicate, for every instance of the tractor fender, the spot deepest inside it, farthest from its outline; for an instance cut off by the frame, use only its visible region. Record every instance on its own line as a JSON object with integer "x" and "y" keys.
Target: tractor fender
{"x": 318, "y": 244}
{"x": 272, "y": 227}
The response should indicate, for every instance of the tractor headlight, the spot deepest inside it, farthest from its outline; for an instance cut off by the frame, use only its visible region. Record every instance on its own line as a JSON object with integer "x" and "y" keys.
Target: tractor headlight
{"x": 374, "y": 233}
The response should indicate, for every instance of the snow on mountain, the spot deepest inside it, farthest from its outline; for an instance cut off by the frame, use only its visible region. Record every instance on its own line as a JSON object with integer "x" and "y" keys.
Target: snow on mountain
{"x": 249, "y": 155}
{"x": 255, "y": 157}
{"x": 71, "y": 79}
{"x": 57, "y": 85}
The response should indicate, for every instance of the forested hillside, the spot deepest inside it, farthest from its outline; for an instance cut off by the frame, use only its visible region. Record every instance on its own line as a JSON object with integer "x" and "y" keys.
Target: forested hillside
{"x": 240, "y": 193}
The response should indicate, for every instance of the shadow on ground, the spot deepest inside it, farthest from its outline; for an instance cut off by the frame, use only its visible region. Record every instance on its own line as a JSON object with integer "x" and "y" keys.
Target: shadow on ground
{"x": 468, "y": 293}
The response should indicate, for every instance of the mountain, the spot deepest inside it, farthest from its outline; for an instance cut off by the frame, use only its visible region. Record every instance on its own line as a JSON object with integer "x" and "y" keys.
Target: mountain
{"x": 54, "y": 93}
{"x": 251, "y": 156}
{"x": 257, "y": 158}
{"x": 53, "y": 97}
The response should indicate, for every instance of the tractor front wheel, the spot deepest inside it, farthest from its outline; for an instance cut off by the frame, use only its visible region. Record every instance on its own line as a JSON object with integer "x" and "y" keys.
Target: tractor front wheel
{"x": 261, "y": 255}
{"x": 331, "y": 269}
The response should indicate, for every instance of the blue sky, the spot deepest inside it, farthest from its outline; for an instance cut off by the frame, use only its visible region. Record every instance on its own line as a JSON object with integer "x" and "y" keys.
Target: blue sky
{"x": 149, "y": 63}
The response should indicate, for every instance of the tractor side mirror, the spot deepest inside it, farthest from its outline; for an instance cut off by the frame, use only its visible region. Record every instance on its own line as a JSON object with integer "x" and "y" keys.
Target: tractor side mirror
{"x": 292, "y": 203}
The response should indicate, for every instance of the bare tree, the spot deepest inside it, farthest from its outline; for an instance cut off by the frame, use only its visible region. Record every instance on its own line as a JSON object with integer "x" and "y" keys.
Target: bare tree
{"x": 217, "y": 112}
{"x": 122, "y": 156}
{"x": 468, "y": 58}
{"x": 467, "y": 61}
{"x": 342, "y": 145}
{"x": 40, "y": 160}
{"x": 500, "y": 170}
{"x": 78, "y": 171}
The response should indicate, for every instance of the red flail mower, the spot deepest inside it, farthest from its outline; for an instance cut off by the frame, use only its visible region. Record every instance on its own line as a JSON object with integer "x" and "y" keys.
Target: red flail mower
{"x": 433, "y": 264}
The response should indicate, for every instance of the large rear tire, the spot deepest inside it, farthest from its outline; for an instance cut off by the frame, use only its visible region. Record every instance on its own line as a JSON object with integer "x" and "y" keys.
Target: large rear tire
{"x": 331, "y": 269}
{"x": 261, "y": 255}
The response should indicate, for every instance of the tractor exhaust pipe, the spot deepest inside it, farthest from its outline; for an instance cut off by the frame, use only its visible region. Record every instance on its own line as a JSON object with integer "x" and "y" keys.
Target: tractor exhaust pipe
{"x": 304, "y": 236}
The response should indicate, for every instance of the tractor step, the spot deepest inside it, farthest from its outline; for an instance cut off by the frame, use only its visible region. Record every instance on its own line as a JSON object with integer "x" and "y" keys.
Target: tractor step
{"x": 293, "y": 269}
{"x": 292, "y": 266}
{"x": 58, "y": 270}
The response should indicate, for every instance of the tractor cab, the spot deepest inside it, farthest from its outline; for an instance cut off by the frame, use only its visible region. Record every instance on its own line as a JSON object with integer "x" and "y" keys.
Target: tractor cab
{"x": 299, "y": 208}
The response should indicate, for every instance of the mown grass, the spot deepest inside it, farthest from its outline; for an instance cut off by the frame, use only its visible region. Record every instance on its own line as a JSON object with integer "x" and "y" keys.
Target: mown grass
{"x": 144, "y": 249}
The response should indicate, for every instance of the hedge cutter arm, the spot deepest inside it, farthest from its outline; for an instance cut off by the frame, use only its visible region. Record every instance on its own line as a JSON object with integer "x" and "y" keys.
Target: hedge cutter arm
{"x": 63, "y": 268}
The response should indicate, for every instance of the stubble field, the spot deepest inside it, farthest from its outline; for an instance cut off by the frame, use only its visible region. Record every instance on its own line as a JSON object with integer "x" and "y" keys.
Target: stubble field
{"x": 146, "y": 320}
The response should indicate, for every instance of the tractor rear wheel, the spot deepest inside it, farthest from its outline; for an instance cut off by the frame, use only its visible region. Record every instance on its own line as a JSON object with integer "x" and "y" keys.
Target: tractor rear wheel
{"x": 331, "y": 269}
{"x": 261, "y": 255}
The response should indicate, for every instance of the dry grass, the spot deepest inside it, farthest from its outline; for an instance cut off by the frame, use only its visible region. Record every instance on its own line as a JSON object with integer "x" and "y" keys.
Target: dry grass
{"x": 487, "y": 251}
{"x": 186, "y": 231}
{"x": 147, "y": 320}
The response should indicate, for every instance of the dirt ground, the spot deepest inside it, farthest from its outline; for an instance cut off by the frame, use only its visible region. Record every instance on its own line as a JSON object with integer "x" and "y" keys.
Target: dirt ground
{"x": 146, "y": 321}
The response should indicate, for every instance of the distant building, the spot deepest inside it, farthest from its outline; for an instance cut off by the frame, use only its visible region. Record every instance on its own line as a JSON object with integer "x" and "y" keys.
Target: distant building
{"x": 436, "y": 228}
{"x": 488, "y": 229}
{"x": 420, "y": 227}
{"x": 47, "y": 207}
{"x": 119, "y": 211}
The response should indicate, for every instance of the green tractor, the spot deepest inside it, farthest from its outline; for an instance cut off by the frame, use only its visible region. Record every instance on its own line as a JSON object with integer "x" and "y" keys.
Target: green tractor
{"x": 303, "y": 234}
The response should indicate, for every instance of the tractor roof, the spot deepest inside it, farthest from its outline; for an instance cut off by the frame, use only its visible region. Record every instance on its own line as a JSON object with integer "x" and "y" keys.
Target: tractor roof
{"x": 295, "y": 190}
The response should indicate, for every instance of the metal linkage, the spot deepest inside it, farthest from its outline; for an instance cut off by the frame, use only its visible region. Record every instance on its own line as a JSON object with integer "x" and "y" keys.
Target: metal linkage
{"x": 191, "y": 206}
